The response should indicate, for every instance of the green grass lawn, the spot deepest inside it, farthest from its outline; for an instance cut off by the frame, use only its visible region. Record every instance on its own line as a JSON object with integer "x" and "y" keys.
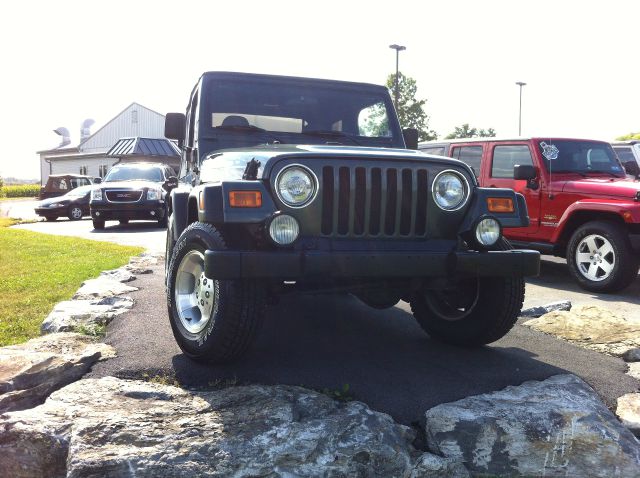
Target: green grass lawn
{"x": 39, "y": 270}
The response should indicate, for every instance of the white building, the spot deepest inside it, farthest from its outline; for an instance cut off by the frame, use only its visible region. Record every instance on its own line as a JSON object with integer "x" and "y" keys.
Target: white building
{"x": 90, "y": 156}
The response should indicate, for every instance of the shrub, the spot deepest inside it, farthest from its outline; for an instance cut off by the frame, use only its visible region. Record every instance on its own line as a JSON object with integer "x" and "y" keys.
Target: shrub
{"x": 21, "y": 190}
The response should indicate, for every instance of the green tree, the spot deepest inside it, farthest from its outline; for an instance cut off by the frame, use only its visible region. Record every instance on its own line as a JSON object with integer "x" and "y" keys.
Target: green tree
{"x": 410, "y": 110}
{"x": 465, "y": 131}
{"x": 628, "y": 137}
{"x": 1, "y": 187}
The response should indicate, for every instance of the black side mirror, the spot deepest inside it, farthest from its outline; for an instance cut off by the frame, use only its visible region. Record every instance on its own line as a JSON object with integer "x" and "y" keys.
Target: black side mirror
{"x": 410, "y": 137}
{"x": 97, "y": 180}
{"x": 524, "y": 171}
{"x": 175, "y": 125}
{"x": 170, "y": 183}
{"x": 631, "y": 167}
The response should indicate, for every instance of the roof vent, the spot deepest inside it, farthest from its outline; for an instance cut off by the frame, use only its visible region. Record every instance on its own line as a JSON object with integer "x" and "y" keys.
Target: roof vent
{"x": 66, "y": 137}
{"x": 85, "y": 129}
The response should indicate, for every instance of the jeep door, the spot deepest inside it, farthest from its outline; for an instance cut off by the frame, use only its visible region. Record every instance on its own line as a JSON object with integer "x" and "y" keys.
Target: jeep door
{"x": 501, "y": 158}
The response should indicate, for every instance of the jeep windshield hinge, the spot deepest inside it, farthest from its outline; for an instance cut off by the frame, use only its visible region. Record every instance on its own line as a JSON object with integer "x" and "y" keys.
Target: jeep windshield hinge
{"x": 251, "y": 171}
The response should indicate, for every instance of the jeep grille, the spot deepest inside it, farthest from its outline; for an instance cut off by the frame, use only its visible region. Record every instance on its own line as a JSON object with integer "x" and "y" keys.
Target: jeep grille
{"x": 123, "y": 196}
{"x": 374, "y": 201}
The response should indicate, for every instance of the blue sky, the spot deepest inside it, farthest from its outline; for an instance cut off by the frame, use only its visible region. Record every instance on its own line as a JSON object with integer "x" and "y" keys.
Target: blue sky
{"x": 66, "y": 61}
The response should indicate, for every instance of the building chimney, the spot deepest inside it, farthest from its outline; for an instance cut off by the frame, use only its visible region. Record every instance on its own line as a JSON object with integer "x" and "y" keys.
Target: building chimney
{"x": 85, "y": 130}
{"x": 66, "y": 137}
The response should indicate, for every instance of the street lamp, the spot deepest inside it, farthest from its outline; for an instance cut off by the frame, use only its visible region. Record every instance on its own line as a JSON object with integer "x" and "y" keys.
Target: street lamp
{"x": 520, "y": 84}
{"x": 398, "y": 49}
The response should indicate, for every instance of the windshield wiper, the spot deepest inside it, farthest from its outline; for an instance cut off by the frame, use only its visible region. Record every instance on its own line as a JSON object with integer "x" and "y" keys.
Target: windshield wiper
{"x": 331, "y": 133}
{"x": 596, "y": 171}
{"x": 249, "y": 128}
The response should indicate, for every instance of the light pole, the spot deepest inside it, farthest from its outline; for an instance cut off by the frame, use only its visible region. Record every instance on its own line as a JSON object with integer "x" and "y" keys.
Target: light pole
{"x": 520, "y": 84}
{"x": 398, "y": 49}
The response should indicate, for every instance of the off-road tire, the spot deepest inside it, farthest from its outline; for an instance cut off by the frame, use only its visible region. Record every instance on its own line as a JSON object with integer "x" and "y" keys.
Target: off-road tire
{"x": 625, "y": 269}
{"x": 98, "y": 225}
{"x": 73, "y": 216}
{"x": 492, "y": 316}
{"x": 240, "y": 304}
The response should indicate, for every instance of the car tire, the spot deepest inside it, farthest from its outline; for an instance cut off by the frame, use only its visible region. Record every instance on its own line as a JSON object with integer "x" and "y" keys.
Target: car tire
{"x": 601, "y": 258}
{"x": 124, "y": 221}
{"x": 51, "y": 218}
{"x": 215, "y": 331}
{"x": 165, "y": 219}
{"x": 98, "y": 224}
{"x": 74, "y": 213}
{"x": 475, "y": 312}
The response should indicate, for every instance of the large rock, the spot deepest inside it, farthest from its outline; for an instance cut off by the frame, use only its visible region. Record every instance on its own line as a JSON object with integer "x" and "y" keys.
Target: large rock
{"x": 113, "y": 427}
{"x": 30, "y": 371}
{"x": 100, "y": 288}
{"x": 84, "y": 315}
{"x": 628, "y": 411}
{"x": 122, "y": 274}
{"x": 557, "y": 427}
{"x": 591, "y": 327}
{"x": 634, "y": 370}
{"x": 540, "y": 310}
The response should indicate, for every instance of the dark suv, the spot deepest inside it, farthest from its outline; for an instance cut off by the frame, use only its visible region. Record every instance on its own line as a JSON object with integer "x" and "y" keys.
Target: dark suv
{"x": 132, "y": 191}
{"x": 293, "y": 184}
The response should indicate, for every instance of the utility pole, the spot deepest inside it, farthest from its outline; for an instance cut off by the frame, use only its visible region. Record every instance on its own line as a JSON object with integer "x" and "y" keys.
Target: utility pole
{"x": 520, "y": 84}
{"x": 398, "y": 49}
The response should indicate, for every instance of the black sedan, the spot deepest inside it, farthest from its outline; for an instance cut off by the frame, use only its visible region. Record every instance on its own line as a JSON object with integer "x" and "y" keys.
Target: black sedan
{"x": 74, "y": 205}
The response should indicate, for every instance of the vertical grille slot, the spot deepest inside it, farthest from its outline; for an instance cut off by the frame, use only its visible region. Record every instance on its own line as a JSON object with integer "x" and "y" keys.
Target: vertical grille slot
{"x": 327, "y": 200}
{"x": 421, "y": 206}
{"x": 391, "y": 204}
{"x": 376, "y": 200}
{"x": 360, "y": 201}
{"x": 343, "y": 200}
{"x": 405, "y": 210}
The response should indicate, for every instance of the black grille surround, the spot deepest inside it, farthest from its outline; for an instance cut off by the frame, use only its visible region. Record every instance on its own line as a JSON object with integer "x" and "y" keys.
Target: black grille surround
{"x": 123, "y": 195}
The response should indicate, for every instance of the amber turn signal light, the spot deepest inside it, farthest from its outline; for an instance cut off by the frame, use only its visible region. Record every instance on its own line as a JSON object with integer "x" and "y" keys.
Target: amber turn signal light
{"x": 245, "y": 198}
{"x": 500, "y": 204}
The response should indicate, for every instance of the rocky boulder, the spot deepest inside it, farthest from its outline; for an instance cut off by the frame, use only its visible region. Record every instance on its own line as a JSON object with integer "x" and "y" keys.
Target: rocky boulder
{"x": 540, "y": 310}
{"x": 84, "y": 315}
{"x": 122, "y": 274}
{"x": 30, "y": 371}
{"x": 113, "y": 427}
{"x": 100, "y": 288}
{"x": 591, "y": 327}
{"x": 628, "y": 411}
{"x": 557, "y": 427}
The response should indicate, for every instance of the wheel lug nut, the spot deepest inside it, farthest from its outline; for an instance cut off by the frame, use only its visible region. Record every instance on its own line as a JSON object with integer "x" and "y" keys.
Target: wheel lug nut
{"x": 206, "y": 294}
{"x": 201, "y": 302}
{"x": 204, "y": 281}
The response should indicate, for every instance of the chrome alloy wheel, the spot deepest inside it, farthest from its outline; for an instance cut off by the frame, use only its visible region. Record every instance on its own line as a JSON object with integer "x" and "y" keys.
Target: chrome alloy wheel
{"x": 195, "y": 295}
{"x": 76, "y": 212}
{"x": 595, "y": 257}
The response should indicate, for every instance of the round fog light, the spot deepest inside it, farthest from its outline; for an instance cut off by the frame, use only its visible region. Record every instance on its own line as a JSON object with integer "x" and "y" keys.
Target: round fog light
{"x": 488, "y": 231}
{"x": 284, "y": 229}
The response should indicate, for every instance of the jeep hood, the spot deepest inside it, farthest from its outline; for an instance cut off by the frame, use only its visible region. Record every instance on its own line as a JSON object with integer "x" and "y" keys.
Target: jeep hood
{"x": 618, "y": 188}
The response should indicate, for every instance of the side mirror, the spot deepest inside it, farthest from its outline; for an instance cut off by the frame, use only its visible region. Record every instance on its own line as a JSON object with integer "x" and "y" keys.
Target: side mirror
{"x": 410, "y": 137}
{"x": 524, "y": 171}
{"x": 97, "y": 180}
{"x": 631, "y": 167}
{"x": 170, "y": 183}
{"x": 175, "y": 125}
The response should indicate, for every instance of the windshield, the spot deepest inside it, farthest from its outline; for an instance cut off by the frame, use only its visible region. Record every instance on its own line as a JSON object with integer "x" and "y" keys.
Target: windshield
{"x": 297, "y": 113}
{"x": 582, "y": 157}
{"x": 134, "y": 173}
{"x": 624, "y": 154}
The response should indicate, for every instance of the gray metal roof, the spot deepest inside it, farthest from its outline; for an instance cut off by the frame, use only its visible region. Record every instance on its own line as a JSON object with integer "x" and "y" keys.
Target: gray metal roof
{"x": 143, "y": 147}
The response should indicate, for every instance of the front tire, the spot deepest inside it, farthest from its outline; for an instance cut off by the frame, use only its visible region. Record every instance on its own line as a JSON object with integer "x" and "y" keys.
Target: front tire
{"x": 476, "y": 311}
{"x": 98, "y": 224}
{"x": 600, "y": 257}
{"x": 212, "y": 320}
{"x": 51, "y": 218}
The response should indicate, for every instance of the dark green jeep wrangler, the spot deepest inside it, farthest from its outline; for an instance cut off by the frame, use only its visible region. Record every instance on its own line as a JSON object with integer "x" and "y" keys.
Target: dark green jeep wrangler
{"x": 294, "y": 184}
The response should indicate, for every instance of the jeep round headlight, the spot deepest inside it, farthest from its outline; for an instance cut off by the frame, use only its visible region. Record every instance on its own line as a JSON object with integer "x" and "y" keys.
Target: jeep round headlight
{"x": 284, "y": 229}
{"x": 296, "y": 186}
{"x": 450, "y": 190}
{"x": 488, "y": 231}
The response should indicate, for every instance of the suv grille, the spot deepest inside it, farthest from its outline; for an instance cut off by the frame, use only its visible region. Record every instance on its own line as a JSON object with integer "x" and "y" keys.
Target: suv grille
{"x": 123, "y": 196}
{"x": 374, "y": 201}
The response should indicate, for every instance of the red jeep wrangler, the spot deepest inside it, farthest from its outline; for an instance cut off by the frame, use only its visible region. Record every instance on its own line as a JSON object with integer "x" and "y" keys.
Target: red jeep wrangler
{"x": 581, "y": 204}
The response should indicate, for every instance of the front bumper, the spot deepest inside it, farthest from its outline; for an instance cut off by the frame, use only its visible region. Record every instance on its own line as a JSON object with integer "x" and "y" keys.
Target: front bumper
{"x": 299, "y": 265}
{"x": 51, "y": 211}
{"x": 152, "y": 210}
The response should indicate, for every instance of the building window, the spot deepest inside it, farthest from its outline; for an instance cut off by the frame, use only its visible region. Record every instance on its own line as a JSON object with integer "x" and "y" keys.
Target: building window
{"x": 83, "y": 170}
{"x": 103, "y": 169}
{"x": 134, "y": 116}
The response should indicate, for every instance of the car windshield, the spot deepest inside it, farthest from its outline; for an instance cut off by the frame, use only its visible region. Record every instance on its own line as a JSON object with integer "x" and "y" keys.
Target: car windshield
{"x": 299, "y": 113}
{"x": 582, "y": 157}
{"x": 624, "y": 153}
{"x": 81, "y": 191}
{"x": 134, "y": 173}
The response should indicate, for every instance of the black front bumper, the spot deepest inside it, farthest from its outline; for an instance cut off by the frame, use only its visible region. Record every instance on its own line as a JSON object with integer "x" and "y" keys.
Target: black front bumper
{"x": 152, "y": 210}
{"x": 300, "y": 265}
